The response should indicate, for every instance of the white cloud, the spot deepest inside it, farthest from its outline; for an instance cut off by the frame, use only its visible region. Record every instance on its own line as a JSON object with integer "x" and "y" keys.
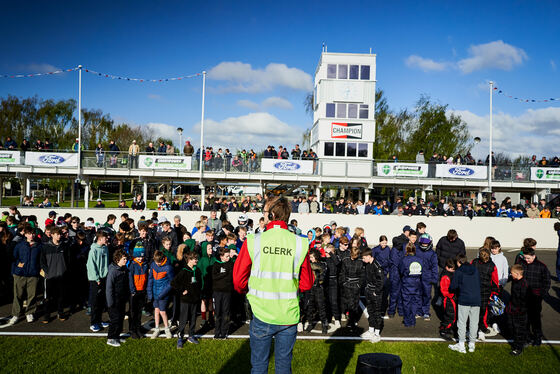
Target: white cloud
{"x": 163, "y": 130}
{"x": 37, "y": 68}
{"x": 553, "y": 65}
{"x": 271, "y": 102}
{"x": 243, "y": 78}
{"x": 425, "y": 64}
{"x": 493, "y": 55}
{"x": 536, "y": 131}
{"x": 254, "y": 130}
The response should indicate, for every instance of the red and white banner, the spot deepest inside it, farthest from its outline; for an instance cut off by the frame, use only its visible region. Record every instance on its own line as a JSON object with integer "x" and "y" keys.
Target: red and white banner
{"x": 342, "y": 130}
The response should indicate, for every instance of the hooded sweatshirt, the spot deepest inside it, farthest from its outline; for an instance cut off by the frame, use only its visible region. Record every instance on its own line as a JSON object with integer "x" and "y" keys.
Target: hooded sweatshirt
{"x": 466, "y": 283}
{"x": 98, "y": 262}
{"x": 502, "y": 266}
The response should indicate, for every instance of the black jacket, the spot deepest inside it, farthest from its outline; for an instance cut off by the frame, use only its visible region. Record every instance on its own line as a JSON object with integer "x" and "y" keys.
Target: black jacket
{"x": 374, "y": 278}
{"x": 54, "y": 259}
{"x": 488, "y": 276}
{"x": 446, "y": 249}
{"x": 518, "y": 300}
{"x": 332, "y": 266}
{"x": 537, "y": 276}
{"x": 189, "y": 280}
{"x": 222, "y": 276}
{"x": 117, "y": 288}
{"x": 398, "y": 241}
{"x": 351, "y": 271}
{"x": 466, "y": 284}
{"x": 320, "y": 272}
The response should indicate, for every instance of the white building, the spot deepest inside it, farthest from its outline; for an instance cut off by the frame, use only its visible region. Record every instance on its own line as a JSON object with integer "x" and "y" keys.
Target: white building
{"x": 344, "y": 97}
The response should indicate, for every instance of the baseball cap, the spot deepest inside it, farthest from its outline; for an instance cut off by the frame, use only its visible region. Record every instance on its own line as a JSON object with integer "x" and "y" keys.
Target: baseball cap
{"x": 407, "y": 228}
{"x": 52, "y": 213}
{"x": 89, "y": 224}
{"x": 99, "y": 200}
{"x": 162, "y": 219}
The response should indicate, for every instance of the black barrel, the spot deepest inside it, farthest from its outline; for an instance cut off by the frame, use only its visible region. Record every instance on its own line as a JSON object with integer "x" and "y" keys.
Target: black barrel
{"x": 378, "y": 363}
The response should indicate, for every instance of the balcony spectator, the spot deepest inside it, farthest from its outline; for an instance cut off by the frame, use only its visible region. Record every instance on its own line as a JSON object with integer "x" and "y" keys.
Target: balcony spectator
{"x": 469, "y": 159}
{"x": 244, "y": 156}
{"x": 150, "y": 149}
{"x": 99, "y": 204}
{"x": 47, "y": 146}
{"x": 38, "y": 146}
{"x": 420, "y": 157}
{"x": 122, "y": 205}
{"x": 170, "y": 151}
{"x": 10, "y": 144}
{"x": 218, "y": 161}
{"x": 542, "y": 205}
{"x": 543, "y": 162}
{"x": 273, "y": 152}
{"x": 228, "y": 157}
{"x": 75, "y": 147}
{"x": 175, "y": 205}
{"x": 556, "y": 212}
{"x": 138, "y": 203}
{"x": 133, "y": 152}
{"x": 545, "y": 213}
{"x": 24, "y": 146}
{"x": 534, "y": 161}
{"x": 162, "y": 148}
{"x": 99, "y": 155}
{"x": 113, "y": 153}
{"x": 27, "y": 202}
{"x": 303, "y": 206}
{"x": 394, "y": 158}
{"x": 533, "y": 211}
{"x": 296, "y": 153}
{"x": 266, "y": 153}
{"x": 487, "y": 162}
{"x": 237, "y": 164}
{"x": 555, "y": 162}
{"x": 304, "y": 156}
{"x": 188, "y": 149}
{"x": 283, "y": 153}
{"x": 314, "y": 205}
{"x": 458, "y": 159}
{"x": 432, "y": 165}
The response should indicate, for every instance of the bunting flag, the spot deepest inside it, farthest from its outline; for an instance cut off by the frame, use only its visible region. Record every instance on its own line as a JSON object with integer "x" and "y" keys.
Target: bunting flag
{"x": 36, "y": 74}
{"x": 522, "y": 100}
{"x": 110, "y": 76}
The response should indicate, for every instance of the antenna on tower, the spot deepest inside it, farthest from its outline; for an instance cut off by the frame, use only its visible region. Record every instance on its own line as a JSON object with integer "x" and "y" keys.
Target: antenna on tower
{"x": 370, "y": 50}
{"x": 323, "y": 49}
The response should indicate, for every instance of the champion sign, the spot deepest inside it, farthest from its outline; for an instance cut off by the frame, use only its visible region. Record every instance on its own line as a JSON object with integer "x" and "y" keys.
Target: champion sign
{"x": 52, "y": 159}
{"x": 286, "y": 166}
{"x": 346, "y": 130}
{"x": 461, "y": 171}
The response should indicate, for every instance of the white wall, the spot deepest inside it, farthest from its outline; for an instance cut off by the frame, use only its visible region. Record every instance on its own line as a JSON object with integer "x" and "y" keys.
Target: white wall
{"x": 510, "y": 234}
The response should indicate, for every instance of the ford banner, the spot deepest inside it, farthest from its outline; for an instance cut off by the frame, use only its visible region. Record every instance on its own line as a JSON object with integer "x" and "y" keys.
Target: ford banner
{"x": 461, "y": 171}
{"x": 273, "y": 165}
{"x": 164, "y": 162}
{"x": 52, "y": 159}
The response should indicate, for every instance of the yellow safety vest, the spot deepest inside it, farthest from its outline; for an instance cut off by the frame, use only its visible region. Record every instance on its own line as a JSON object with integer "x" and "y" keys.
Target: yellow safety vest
{"x": 276, "y": 256}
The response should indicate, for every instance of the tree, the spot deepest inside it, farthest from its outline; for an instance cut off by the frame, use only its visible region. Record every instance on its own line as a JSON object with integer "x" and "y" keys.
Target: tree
{"x": 54, "y": 120}
{"x": 123, "y": 135}
{"x": 433, "y": 129}
{"x": 309, "y": 103}
{"x": 96, "y": 128}
{"x": 389, "y": 129}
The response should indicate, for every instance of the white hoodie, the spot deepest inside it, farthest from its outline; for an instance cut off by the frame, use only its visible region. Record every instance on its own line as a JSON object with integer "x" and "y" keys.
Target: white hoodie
{"x": 502, "y": 266}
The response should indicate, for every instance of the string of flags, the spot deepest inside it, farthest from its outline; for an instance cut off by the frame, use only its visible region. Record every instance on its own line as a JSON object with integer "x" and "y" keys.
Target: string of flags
{"x": 110, "y": 76}
{"x": 497, "y": 90}
{"x": 36, "y": 74}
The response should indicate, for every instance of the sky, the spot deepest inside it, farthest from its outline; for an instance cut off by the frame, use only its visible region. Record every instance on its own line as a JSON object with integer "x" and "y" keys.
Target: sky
{"x": 261, "y": 56}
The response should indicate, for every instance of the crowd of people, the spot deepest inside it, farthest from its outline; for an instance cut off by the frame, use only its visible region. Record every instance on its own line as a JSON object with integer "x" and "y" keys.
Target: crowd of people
{"x": 176, "y": 274}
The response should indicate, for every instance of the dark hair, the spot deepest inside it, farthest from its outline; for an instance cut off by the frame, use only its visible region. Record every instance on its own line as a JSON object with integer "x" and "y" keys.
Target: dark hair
{"x": 119, "y": 253}
{"x": 484, "y": 254}
{"x": 382, "y": 238}
{"x": 110, "y": 217}
{"x": 100, "y": 234}
{"x": 158, "y": 256}
{"x": 223, "y": 251}
{"x": 450, "y": 263}
{"x": 124, "y": 226}
{"x": 461, "y": 259}
{"x": 420, "y": 225}
{"x": 412, "y": 232}
{"x": 529, "y": 242}
{"x": 315, "y": 253}
{"x": 367, "y": 252}
{"x": 280, "y": 208}
{"x": 495, "y": 244}
{"x": 191, "y": 255}
{"x": 410, "y": 249}
{"x": 528, "y": 251}
{"x": 452, "y": 235}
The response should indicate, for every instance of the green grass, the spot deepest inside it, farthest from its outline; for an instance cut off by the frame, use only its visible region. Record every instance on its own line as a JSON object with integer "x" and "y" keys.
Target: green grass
{"x": 37, "y": 355}
{"x": 110, "y": 201}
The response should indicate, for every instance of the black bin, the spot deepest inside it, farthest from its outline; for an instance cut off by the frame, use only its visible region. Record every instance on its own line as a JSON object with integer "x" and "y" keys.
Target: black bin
{"x": 378, "y": 363}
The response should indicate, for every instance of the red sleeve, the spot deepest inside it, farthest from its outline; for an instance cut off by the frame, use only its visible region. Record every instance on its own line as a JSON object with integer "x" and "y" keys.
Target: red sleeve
{"x": 306, "y": 276}
{"x": 242, "y": 269}
{"x": 495, "y": 282}
{"x": 444, "y": 287}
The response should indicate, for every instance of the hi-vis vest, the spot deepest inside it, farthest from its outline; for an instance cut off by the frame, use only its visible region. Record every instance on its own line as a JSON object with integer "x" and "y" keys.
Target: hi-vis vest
{"x": 277, "y": 256}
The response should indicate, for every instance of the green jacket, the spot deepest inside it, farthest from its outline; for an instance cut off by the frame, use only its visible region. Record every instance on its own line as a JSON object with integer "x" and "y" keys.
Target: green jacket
{"x": 204, "y": 264}
{"x": 97, "y": 262}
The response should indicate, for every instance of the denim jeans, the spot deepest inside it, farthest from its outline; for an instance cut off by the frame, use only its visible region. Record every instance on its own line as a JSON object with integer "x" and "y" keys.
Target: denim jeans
{"x": 261, "y": 334}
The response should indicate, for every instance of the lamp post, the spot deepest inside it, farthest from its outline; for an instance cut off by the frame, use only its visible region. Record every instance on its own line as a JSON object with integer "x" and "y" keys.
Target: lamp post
{"x": 180, "y": 131}
{"x": 490, "y": 151}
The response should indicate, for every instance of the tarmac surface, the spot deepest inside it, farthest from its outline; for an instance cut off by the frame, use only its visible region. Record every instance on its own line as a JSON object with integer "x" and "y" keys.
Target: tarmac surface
{"x": 78, "y": 324}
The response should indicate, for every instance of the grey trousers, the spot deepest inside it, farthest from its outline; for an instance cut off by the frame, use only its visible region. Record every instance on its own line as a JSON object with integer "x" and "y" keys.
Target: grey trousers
{"x": 27, "y": 286}
{"x": 471, "y": 313}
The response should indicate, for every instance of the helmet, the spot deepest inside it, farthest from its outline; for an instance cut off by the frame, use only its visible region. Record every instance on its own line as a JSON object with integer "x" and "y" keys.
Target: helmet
{"x": 496, "y": 306}
{"x": 242, "y": 220}
{"x": 426, "y": 242}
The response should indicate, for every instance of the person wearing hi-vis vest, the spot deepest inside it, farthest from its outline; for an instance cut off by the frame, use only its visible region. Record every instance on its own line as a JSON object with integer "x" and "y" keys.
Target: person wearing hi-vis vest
{"x": 270, "y": 268}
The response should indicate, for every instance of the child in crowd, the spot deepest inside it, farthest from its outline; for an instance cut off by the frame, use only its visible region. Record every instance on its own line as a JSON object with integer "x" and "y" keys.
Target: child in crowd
{"x": 97, "y": 268}
{"x": 449, "y": 302}
{"x": 188, "y": 284}
{"x": 138, "y": 282}
{"x": 54, "y": 267}
{"x": 205, "y": 265}
{"x": 159, "y": 280}
{"x": 351, "y": 272}
{"x": 411, "y": 271}
{"x": 517, "y": 309}
{"x": 222, "y": 287}
{"x": 502, "y": 267}
{"x": 488, "y": 288}
{"x": 374, "y": 281}
{"x": 429, "y": 270}
{"x": 332, "y": 261}
{"x": 316, "y": 297}
{"x": 117, "y": 294}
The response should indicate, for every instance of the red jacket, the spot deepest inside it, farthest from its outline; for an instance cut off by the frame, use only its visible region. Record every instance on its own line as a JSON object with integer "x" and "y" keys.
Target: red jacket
{"x": 242, "y": 268}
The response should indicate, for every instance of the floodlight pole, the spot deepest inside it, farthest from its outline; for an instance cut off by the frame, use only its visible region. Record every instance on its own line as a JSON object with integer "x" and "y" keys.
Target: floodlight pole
{"x": 490, "y": 151}
{"x": 200, "y": 164}
{"x": 79, "y": 119}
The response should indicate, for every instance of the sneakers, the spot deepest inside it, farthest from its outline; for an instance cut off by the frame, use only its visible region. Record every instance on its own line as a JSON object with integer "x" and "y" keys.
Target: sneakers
{"x": 481, "y": 336}
{"x": 104, "y": 324}
{"x": 309, "y": 327}
{"x": 95, "y": 328}
{"x": 537, "y": 342}
{"x": 337, "y": 324}
{"x": 29, "y": 318}
{"x": 113, "y": 343}
{"x": 12, "y": 321}
{"x": 305, "y": 326}
{"x": 62, "y": 317}
{"x": 122, "y": 341}
{"x": 486, "y": 331}
{"x": 459, "y": 347}
{"x": 496, "y": 328}
{"x": 516, "y": 352}
{"x": 46, "y": 319}
{"x": 471, "y": 347}
{"x": 368, "y": 335}
{"x": 167, "y": 333}
{"x": 426, "y": 317}
{"x": 343, "y": 317}
{"x": 376, "y": 338}
{"x": 446, "y": 334}
{"x": 300, "y": 327}
{"x": 179, "y": 343}
{"x": 193, "y": 340}
{"x": 155, "y": 333}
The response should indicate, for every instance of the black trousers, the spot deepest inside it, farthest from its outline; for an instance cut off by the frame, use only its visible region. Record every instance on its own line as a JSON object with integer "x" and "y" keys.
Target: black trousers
{"x": 333, "y": 298}
{"x": 534, "y": 313}
{"x": 517, "y": 324}
{"x": 316, "y": 304}
{"x": 374, "y": 308}
{"x": 351, "y": 300}
{"x": 222, "y": 303}
{"x": 449, "y": 313}
{"x": 116, "y": 319}
{"x": 56, "y": 288}
{"x": 483, "y": 317}
{"x": 96, "y": 300}
{"x": 187, "y": 315}
{"x": 137, "y": 302}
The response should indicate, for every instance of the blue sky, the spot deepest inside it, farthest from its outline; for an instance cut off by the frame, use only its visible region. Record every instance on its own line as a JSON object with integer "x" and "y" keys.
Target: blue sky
{"x": 261, "y": 57}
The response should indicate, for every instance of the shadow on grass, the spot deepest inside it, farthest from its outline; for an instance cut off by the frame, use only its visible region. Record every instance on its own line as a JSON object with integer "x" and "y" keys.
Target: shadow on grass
{"x": 240, "y": 361}
{"x": 340, "y": 352}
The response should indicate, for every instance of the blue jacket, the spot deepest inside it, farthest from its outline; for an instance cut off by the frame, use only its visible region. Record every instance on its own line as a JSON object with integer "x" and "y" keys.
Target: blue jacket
{"x": 411, "y": 270}
{"x": 30, "y": 257}
{"x": 383, "y": 256}
{"x": 430, "y": 270}
{"x": 138, "y": 276}
{"x": 159, "y": 280}
{"x": 396, "y": 257}
{"x": 466, "y": 283}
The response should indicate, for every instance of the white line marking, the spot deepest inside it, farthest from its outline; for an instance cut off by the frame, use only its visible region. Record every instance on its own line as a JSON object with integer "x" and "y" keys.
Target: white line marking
{"x": 209, "y": 336}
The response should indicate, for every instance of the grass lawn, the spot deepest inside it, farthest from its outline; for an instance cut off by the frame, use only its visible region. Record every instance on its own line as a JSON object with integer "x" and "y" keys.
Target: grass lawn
{"x": 37, "y": 355}
{"x": 110, "y": 201}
